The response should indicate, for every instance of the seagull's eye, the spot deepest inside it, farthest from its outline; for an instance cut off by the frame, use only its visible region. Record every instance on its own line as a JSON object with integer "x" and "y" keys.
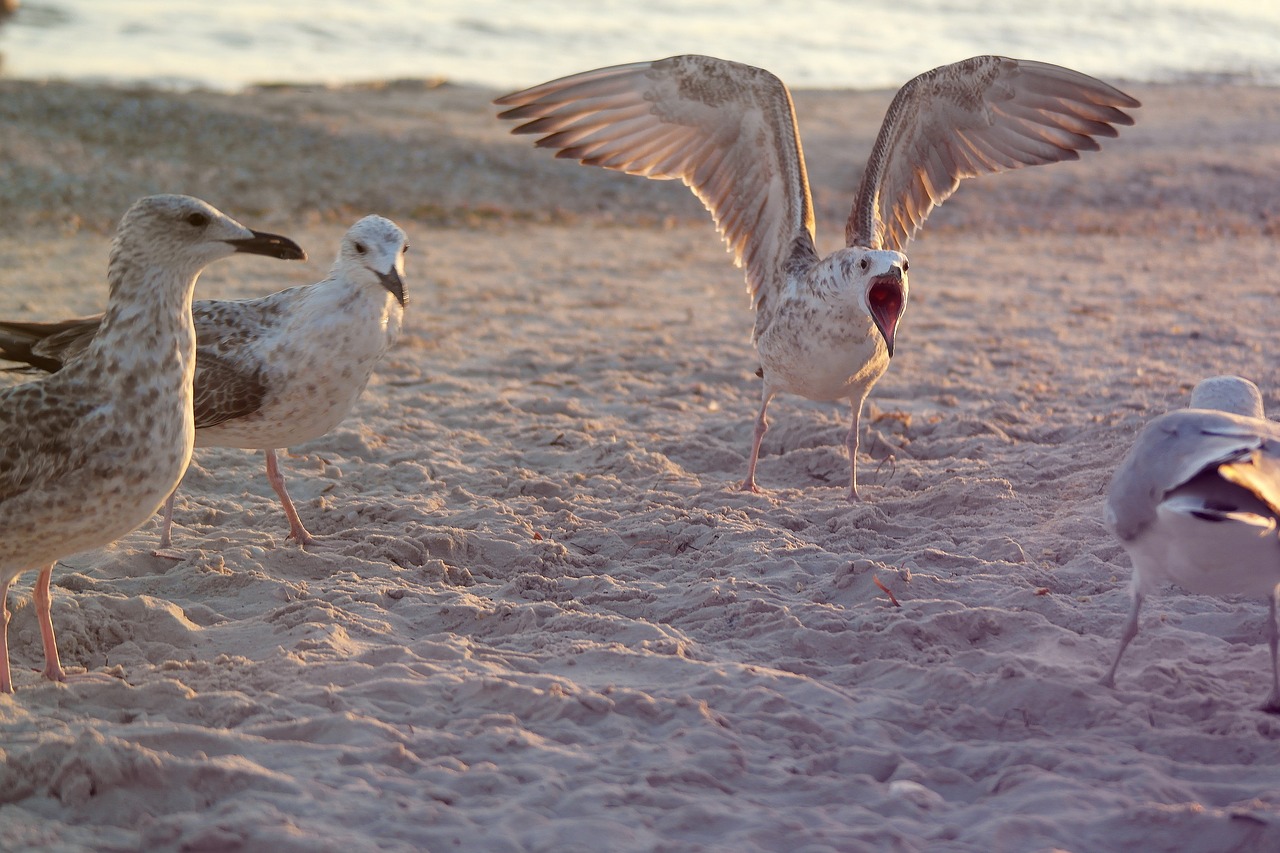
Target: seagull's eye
{"x": 199, "y": 220}
{"x": 863, "y": 264}
{"x": 906, "y": 265}
{"x": 405, "y": 250}
{"x": 360, "y": 249}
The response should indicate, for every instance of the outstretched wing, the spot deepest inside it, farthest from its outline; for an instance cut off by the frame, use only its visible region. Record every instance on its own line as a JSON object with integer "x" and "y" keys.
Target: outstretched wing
{"x": 984, "y": 115}
{"x": 727, "y": 130}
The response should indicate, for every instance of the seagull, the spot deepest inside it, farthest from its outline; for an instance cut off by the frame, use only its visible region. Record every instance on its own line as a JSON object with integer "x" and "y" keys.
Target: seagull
{"x": 88, "y": 454}
{"x": 825, "y": 327}
{"x": 274, "y": 371}
{"x": 1197, "y": 503}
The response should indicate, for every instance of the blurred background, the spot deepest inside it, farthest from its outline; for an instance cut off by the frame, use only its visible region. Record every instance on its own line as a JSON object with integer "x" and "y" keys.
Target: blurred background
{"x": 504, "y": 44}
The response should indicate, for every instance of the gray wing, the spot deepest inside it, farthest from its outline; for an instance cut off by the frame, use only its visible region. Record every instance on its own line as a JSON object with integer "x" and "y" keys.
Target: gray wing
{"x": 227, "y": 384}
{"x": 727, "y": 130}
{"x": 977, "y": 117}
{"x": 1259, "y": 473}
{"x": 38, "y": 440}
{"x": 226, "y": 389}
{"x": 1176, "y": 448}
{"x": 230, "y": 378}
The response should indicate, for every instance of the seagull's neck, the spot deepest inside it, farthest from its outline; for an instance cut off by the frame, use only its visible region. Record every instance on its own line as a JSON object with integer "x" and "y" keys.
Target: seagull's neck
{"x": 825, "y": 282}
{"x": 148, "y": 316}
{"x": 353, "y": 296}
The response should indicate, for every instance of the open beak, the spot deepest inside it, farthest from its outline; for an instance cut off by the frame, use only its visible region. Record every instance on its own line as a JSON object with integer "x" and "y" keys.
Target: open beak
{"x": 271, "y": 245}
{"x": 886, "y": 299}
{"x": 391, "y": 281}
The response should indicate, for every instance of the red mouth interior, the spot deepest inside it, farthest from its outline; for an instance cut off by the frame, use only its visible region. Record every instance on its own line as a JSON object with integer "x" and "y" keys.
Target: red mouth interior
{"x": 885, "y": 301}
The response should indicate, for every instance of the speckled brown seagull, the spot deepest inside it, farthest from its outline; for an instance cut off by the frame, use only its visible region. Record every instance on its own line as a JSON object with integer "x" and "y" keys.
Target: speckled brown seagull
{"x": 274, "y": 371}
{"x": 825, "y": 327}
{"x": 1196, "y": 502}
{"x": 90, "y": 453}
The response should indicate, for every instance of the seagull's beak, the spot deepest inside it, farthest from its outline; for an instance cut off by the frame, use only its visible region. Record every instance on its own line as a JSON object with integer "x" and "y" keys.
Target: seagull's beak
{"x": 392, "y": 282}
{"x": 886, "y": 297}
{"x": 271, "y": 245}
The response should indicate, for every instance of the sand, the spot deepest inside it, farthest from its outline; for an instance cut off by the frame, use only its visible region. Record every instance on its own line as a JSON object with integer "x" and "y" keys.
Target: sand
{"x": 542, "y": 618}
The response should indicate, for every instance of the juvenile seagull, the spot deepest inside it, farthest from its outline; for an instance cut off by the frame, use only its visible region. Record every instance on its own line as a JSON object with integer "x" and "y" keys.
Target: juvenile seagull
{"x": 88, "y": 454}
{"x": 824, "y": 327}
{"x": 274, "y": 371}
{"x": 1197, "y": 502}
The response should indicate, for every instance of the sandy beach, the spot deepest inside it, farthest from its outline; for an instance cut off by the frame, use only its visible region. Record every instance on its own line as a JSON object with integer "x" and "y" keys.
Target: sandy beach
{"x": 542, "y": 618}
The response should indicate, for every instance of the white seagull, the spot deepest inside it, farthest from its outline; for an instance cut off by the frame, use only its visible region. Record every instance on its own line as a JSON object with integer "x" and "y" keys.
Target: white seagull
{"x": 90, "y": 453}
{"x": 1196, "y": 503}
{"x": 824, "y": 327}
{"x": 274, "y": 371}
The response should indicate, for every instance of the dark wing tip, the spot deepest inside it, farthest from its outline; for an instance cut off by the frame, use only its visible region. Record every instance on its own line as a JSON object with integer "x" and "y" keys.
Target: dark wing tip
{"x": 519, "y": 112}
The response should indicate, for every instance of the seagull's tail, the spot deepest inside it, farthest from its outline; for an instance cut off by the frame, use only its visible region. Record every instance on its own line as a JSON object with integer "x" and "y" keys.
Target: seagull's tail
{"x": 45, "y": 346}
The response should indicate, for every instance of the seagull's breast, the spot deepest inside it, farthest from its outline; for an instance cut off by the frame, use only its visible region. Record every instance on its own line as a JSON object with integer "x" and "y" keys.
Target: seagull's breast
{"x": 130, "y": 442}
{"x": 315, "y": 365}
{"x": 821, "y": 351}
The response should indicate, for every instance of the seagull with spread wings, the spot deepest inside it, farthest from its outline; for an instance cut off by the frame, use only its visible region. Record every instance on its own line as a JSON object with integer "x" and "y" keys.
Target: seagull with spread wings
{"x": 825, "y": 327}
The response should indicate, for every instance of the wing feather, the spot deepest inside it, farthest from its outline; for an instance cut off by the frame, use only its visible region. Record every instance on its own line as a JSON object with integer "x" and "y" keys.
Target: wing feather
{"x": 40, "y": 435}
{"x": 725, "y": 129}
{"x": 1258, "y": 472}
{"x": 984, "y": 115}
{"x": 225, "y": 389}
{"x": 1177, "y": 447}
{"x": 47, "y": 346}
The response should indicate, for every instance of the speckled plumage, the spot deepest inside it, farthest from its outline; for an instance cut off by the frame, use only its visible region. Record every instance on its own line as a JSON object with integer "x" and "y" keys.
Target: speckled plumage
{"x": 824, "y": 327}
{"x": 278, "y": 370}
{"x": 1196, "y": 502}
{"x": 89, "y": 453}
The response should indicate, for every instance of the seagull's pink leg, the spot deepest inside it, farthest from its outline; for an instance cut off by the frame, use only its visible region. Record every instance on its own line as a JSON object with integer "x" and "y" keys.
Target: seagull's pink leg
{"x": 296, "y": 531}
{"x": 851, "y": 444}
{"x": 1130, "y": 631}
{"x": 6, "y": 682}
{"x": 166, "y": 532}
{"x": 44, "y": 617}
{"x": 762, "y": 426}
{"x": 1272, "y": 705}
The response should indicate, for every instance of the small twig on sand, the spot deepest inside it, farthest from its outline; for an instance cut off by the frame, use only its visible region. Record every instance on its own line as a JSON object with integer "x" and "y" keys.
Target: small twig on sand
{"x": 893, "y": 599}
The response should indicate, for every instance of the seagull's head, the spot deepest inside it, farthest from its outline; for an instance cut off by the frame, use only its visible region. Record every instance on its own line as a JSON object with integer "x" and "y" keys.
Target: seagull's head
{"x": 372, "y": 252}
{"x": 1232, "y": 394}
{"x": 879, "y": 279}
{"x": 188, "y": 234}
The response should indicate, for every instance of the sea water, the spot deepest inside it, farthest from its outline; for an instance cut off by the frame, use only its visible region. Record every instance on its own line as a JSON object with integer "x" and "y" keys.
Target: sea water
{"x": 227, "y": 44}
